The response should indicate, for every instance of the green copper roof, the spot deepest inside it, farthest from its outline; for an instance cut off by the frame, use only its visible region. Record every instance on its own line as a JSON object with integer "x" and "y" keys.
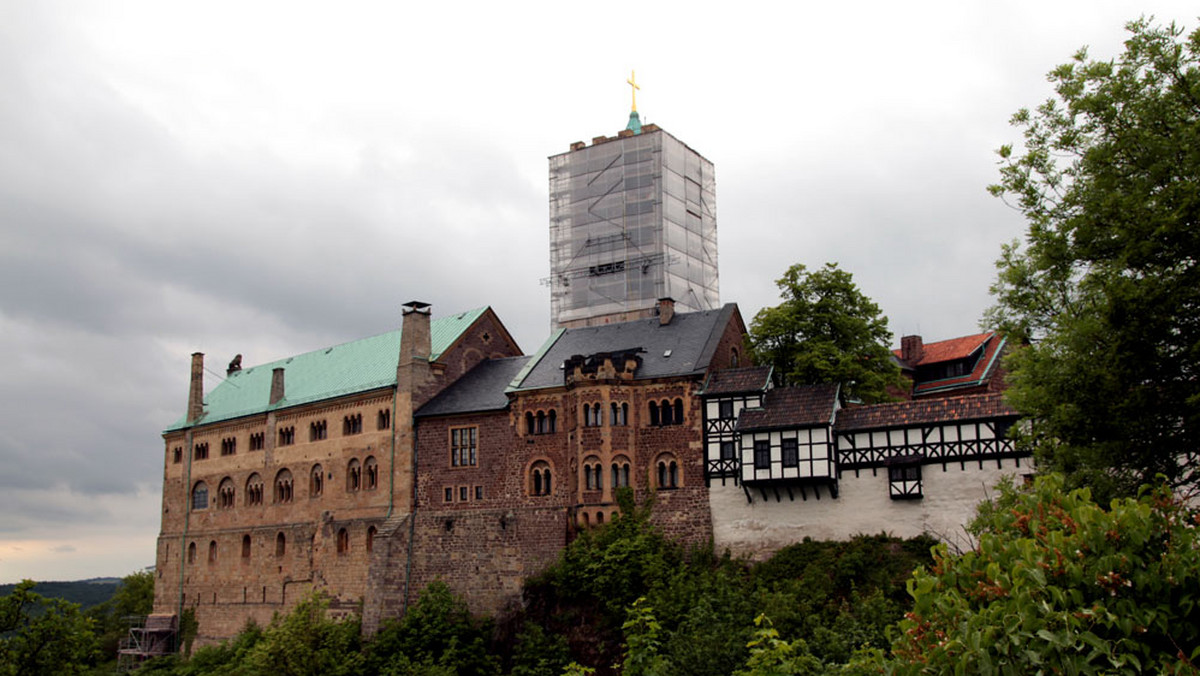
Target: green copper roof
{"x": 357, "y": 366}
{"x": 635, "y": 122}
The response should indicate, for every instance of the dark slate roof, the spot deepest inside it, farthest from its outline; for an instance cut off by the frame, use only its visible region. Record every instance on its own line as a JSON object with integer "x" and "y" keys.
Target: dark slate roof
{"x": 737, "y": 381}
{"x": 791, "y": 407}
{"x": 691, "y": 337}
{"x": 924, "y": 411}
{"x": 481, "y": 389}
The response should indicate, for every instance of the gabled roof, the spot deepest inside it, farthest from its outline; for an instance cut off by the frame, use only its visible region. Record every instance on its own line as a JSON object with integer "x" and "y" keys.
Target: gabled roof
{"x": 949, "y": 350}
{"x": 988, "y": 346}
{"x": 784, "y": 407}
{"x": 357, "y": 366}
{"x": 481, "y": 389}
{"x": 925, "y": 411}
{"x": 683, "y": 347}
{"x": 738, "y": 381}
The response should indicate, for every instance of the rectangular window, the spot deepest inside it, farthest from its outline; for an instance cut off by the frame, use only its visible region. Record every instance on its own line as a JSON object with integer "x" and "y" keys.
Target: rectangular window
{"x": 449, "y": 494}
{"x": 762, "y": 454}
{"x": 479, "y": 492}
{"x": 904, "y": 480}
{"x": 791, "y": 453}
{"x": 728, "y": 450}
{"x": 462, "y": 447}
{"x": 725, "y": 409}
{"x": 462, "y": 493}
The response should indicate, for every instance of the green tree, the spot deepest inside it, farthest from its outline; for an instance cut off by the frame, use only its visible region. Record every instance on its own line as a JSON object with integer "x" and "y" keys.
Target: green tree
{"x": 1059, "y": 585}
{"x": 825, "y": 331}
{"x": 305, "y": 642}
{"x": 42, "y": 636}
{"x": 1107, "y": 283}
{"x": 134, "y": 597}
{"x": 436, "y": 635}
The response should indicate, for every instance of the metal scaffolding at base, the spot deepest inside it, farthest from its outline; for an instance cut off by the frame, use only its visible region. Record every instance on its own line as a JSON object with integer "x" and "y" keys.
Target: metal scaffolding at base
{"x": 149, "y": 636}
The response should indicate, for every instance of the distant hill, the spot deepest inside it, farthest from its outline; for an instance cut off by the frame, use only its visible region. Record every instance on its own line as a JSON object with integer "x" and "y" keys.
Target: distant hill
{"x": 86, "y": 593}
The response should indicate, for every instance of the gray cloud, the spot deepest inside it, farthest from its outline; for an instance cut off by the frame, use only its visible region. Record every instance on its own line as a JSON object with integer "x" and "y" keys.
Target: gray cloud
{"x": 184, "y": 184}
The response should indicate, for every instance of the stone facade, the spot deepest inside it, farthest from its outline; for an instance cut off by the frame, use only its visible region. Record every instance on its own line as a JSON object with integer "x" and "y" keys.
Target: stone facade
{"x": 477, "y": 465}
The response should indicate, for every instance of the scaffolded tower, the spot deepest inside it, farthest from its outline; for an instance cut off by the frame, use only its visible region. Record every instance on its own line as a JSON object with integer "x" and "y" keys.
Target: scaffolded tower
{"x": 633, "y": 218}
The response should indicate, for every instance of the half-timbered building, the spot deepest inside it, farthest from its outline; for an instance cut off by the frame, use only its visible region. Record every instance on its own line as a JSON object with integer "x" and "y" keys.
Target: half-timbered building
{"x": 805, "y": 466}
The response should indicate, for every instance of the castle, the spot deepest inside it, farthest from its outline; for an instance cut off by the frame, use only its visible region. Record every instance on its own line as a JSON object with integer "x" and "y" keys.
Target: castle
{"x": 369, "y": 469}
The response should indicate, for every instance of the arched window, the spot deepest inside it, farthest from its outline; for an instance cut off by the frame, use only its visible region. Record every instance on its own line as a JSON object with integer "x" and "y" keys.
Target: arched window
{"x": 667, "y": 472}
{"x": 226, "y": 494}
{"x": 593, "y": 474}
{"x": 316, "y": 481}
{"x": 530, "y": 428}
{"x": 371, "y": 538}
{"x": 245, "y": 546}
{"x": 665, "y": 412}
{"x": 620, "y": 472}
{"x": 352, "y": 424}
{"x": 283, "y": 486}
{"x": 618, "y": 414}
{"x": 654, "y": 419}
{"x": 586, "y": 522}
{"x": 733, "y": 358}
{"x": 353, "y": 475}
{"x": 280, "y": 545}
{"x": 539, "y": 478}
{"x": 371, "y": 472}
{"x": 384, "y": 420}
{"x": 599, "y": 518}
{"x": 343, "y": 541}
{"x": 191, "y": 552}
{"x": 200, "y": 496}
{"x": 552, "y": 422}
{"x": 541, "y": 422}
{"x": 254, "y": 490}
{"x": 678, "y": 412}
{"x": 212, "y": 551}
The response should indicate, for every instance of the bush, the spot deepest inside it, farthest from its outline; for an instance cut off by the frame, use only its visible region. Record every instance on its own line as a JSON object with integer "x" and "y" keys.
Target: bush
{"x": 1059, "y": 585}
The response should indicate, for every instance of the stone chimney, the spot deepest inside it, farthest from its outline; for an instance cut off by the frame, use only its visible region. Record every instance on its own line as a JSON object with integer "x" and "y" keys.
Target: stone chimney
{"x": 276, "y": 385}
{"x": 196, "y": 391}
{"x": 666, "y": 311}
{"x": 415, "y": 345}
{"x": 912, "y": 348}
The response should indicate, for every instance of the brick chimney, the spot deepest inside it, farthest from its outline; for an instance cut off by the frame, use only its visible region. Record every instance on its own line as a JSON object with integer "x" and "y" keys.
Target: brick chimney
{"x": 196, "y": 391}
{"x": 666, "y": 311}
{"x": 276, "y": 385}
{"x": 912, "y": 348}
{"x": 415, "y": 345}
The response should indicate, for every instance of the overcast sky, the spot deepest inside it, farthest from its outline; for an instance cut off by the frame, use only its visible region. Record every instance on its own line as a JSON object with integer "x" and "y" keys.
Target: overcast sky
{"x": 272, "y": 178}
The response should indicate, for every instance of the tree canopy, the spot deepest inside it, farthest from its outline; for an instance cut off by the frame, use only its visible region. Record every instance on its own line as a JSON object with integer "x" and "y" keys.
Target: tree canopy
{"x": 1106, "y": 285}
{"x": 825, "y": 331}
{"x": 1059, "y": 585}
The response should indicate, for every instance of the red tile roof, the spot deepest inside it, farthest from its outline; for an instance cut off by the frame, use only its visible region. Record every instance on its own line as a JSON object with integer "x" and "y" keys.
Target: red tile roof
{"x": 735, "y": 381}
{"x": 984, "y": 367}
{"x": 949, "y": 350}
{"x": 924, "y": 411}
{"x": 791, "y": 407}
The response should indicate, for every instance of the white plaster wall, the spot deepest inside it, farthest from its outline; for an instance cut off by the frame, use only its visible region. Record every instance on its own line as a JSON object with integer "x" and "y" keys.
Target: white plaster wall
{"x": 760, "y": 528}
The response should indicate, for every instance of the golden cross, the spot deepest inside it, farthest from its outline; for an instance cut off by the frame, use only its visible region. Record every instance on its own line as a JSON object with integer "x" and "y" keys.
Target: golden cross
{"x": 633, "y": 91}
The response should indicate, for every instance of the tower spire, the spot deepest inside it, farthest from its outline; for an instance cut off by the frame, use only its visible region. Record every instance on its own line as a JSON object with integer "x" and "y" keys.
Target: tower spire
{"x": 635, "y": 121}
